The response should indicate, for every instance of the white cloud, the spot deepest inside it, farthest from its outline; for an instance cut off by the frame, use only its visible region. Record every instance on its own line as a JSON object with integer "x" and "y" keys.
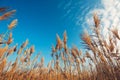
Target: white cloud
{"x": 109, "y": 14}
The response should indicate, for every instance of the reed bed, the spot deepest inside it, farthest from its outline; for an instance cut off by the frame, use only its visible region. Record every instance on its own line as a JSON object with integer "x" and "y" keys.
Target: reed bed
{"x": 100, "y": 61}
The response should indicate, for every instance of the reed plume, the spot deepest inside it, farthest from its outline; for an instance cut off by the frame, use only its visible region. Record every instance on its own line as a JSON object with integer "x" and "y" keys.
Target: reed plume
{"x": 99, "y": 60}
{"x": 12, "y": 24}
{"x": 7, "y": 15}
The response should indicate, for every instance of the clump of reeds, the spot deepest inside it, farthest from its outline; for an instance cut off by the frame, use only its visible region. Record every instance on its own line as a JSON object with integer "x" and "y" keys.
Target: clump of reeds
{"x": 99, "y": 62}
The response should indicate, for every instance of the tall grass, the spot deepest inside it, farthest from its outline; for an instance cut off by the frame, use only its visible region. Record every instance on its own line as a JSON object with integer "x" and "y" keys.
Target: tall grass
{"x": 100, "y": 62}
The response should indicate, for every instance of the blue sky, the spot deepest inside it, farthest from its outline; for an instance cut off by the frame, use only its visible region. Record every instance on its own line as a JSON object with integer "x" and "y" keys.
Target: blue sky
{"x": 40, "y": 20}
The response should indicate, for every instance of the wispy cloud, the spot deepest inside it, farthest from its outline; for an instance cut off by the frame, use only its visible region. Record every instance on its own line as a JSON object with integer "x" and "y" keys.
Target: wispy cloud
{"x": 109, "y": 14}
{"x": 75, "y": 10}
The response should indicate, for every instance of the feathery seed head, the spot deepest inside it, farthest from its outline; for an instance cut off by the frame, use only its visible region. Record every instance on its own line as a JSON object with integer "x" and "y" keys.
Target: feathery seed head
{"x": 7, "y": 15}
{"x": 12, "y": 24}
{"x": 96, "y": 20}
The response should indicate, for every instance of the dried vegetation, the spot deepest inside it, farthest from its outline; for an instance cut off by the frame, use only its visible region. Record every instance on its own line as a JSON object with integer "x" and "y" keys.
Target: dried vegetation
{"x": 100, "y": 62}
